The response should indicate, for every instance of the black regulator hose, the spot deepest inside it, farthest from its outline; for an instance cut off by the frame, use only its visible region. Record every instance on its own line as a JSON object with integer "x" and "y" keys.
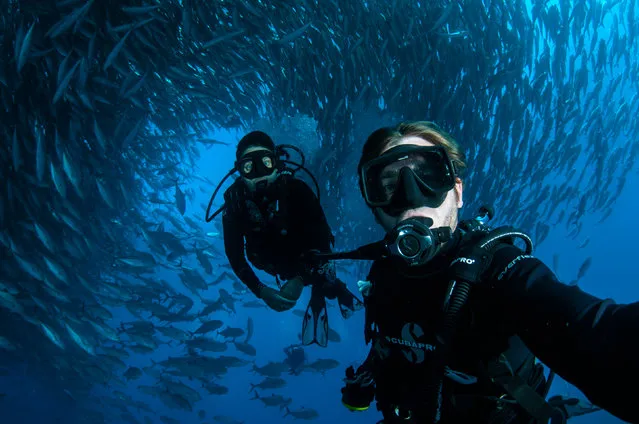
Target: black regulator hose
{"x": 459, "y": 293}
{"x": 207, "y": 215}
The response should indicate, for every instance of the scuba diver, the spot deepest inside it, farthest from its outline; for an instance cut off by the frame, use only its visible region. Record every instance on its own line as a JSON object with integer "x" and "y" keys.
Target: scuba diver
{"x": 295, "y": 358}
{"x": 278, "y": 217}
{"x": 457, "y": 314}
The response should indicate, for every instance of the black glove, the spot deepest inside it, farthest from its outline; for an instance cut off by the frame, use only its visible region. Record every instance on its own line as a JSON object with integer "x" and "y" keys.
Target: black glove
{"x": 276, "y": 300}
{"x": 359, "y": 391}
{"x": 315, "y": 264}
{"x": 572, "y": 407}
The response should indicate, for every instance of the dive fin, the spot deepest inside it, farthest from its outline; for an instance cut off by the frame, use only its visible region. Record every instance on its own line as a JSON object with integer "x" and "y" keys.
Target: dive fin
{"x": 348, "y": 302}
{"x": 315, "y": 324}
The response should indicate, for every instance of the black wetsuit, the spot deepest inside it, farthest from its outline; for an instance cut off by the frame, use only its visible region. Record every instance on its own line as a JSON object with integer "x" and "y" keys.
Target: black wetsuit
{"x": 590, "y": 342}
{"x": 278, "y": 224}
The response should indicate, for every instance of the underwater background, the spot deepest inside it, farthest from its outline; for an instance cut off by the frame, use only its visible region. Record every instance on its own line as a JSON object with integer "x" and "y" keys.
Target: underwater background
{"x": 119, "y": 119}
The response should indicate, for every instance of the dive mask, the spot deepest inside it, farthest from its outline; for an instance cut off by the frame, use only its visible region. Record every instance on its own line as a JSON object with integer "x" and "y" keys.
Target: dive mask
{"x": 257, "y": 164}
{"x": 406, "y": 177}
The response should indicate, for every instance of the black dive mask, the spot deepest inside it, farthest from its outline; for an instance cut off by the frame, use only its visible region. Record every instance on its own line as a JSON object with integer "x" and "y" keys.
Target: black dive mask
{"x": 413, "y": 241}
{"x": 408, "y": 177}
{"x": 257, "y": 164}
{"x": 259, "y": 169}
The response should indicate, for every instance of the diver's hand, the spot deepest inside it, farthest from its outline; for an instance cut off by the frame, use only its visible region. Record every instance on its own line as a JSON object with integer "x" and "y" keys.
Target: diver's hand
{"x": 275, "y": 300}
{"x": 359, "y": 391}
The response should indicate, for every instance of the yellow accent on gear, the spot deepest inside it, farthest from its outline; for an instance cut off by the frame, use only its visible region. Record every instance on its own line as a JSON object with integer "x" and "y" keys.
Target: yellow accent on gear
{"x": 355, "y": 408}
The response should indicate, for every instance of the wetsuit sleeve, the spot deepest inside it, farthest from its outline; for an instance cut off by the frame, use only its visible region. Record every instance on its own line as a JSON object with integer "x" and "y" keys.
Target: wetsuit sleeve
{"x": 590, "y": 342}
{"x": 317, "y": 231}
{"x": 367, "y": 365}
{"x": 234, "y": 248}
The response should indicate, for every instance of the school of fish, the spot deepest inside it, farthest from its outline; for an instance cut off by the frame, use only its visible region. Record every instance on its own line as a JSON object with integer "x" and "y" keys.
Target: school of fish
{"x": 104, "y": 107}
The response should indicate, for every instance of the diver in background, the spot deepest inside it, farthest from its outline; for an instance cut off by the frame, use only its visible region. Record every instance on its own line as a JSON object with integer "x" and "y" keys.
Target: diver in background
{"x": 295, "y": 358}
{"x": 277, "y": 217}
{"x": 457, "y": 314}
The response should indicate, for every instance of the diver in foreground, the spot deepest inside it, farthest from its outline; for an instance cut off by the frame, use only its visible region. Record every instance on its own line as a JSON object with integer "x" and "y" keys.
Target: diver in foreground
{"x": 457, "y": 314}
{"x": 279, "y": 217}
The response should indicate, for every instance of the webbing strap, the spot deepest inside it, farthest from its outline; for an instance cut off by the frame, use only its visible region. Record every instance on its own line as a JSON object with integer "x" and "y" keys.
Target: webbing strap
{"x": 531, "y": 401}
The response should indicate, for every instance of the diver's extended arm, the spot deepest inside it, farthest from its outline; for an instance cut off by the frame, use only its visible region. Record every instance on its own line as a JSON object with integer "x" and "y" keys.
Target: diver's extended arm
{"x": 590, "y": 342}
{"x": 234, "y": 248}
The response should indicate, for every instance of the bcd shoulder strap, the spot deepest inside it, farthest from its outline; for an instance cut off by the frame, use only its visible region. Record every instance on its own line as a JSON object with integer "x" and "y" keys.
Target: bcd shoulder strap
{"x": 283, "y": 192}
{"x": 516, "y": 382}
{"x": 370, "y": 307}
{"x": 516, "y": 374}
{"x": 369, "y": 316}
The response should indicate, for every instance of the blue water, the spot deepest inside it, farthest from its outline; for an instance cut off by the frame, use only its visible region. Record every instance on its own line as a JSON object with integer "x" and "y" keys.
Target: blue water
{"x": 28, "y": 399}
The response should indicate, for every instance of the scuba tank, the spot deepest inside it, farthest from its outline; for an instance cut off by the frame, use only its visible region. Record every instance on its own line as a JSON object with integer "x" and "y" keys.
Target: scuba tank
{"x": 283, "y": 159}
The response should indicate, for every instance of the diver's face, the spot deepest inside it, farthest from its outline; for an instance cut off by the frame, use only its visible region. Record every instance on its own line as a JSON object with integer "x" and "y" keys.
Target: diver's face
{"x": 443, "y": 216}
{"x": 260, "y": 183}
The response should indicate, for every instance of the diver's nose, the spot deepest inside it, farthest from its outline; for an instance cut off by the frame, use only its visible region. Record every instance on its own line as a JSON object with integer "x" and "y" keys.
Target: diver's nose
{"x": 408, "y": 193}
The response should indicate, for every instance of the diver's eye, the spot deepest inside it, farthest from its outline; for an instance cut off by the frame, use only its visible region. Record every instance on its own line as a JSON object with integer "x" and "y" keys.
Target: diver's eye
{"x": 247, "y": 167}
{"x": 389, "y": 189}
{"x": 268, "y": 162}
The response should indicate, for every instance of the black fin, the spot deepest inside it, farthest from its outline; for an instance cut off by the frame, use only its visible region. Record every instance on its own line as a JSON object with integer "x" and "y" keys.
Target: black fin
{"x": 348, "y": 302}
{"x": 315, "y": 324}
